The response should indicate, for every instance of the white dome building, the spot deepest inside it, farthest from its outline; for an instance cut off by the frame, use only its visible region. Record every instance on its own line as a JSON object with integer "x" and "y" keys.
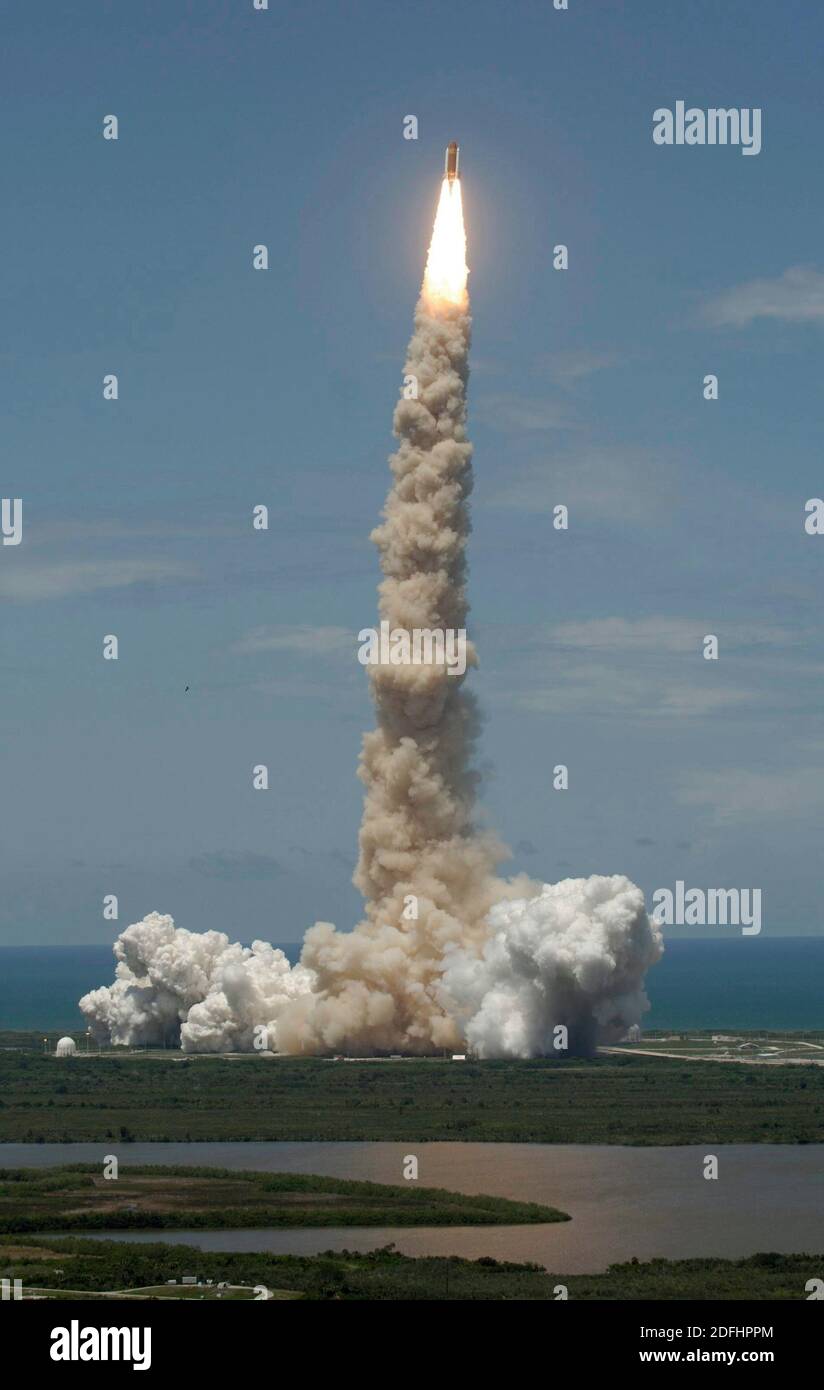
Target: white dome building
{"x": 65, "y": 1048}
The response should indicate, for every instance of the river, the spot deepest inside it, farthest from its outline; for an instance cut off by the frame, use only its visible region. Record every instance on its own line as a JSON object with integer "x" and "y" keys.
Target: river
{"x": 625, "y": 1202}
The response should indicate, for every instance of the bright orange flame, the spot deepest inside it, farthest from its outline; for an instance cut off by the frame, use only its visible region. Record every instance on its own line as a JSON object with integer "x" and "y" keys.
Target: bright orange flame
{"x": 446, "y": 268}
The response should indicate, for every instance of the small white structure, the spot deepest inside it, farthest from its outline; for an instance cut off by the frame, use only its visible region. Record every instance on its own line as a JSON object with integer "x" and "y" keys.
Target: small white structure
{"x": 633, "y": 1033}
{"x": 65, "y": 1048}
{"x": 458, "y": 1056}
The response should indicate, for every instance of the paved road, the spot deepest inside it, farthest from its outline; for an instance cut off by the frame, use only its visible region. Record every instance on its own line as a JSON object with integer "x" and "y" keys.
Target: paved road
{"x": 714, "y": 1057}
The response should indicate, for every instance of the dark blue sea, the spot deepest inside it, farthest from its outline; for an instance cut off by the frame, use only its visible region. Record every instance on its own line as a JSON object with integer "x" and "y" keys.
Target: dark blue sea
{"x": 753, "y": 982}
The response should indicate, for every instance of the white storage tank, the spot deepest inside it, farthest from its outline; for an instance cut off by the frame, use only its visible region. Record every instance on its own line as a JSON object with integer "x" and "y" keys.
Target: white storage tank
{"x": 65, "y": 1048}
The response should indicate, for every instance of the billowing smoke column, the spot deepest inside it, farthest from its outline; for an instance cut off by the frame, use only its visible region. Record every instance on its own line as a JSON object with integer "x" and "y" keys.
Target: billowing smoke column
{"x": 447, "y": 951}
{"x": 561, "y": 971}
{"x": 195, "y": 987}
{"x": 426, "y": 874}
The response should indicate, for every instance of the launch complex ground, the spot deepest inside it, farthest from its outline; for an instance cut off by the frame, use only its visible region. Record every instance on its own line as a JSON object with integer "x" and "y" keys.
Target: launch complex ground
{"x": 757, "y": 1049}
{"x": 666, "y": 1090}
{"x": 663, "y": 1090}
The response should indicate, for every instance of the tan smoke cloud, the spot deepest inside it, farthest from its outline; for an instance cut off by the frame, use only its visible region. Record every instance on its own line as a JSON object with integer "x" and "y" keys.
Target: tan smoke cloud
{"x": 379, "y": 986}
{"x": 427, "y": 874}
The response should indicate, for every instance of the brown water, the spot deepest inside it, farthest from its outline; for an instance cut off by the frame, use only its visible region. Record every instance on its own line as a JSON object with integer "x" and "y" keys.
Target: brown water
{"x": 625, "y": 1202}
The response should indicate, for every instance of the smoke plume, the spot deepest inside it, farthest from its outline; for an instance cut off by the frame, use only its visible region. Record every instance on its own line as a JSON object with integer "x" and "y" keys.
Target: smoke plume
{"x": 447, "y": 951}
{"x": 560, "y": 971}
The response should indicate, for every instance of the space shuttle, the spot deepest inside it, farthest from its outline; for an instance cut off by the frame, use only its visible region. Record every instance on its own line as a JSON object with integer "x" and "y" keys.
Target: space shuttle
{"x": 451, "y": 162}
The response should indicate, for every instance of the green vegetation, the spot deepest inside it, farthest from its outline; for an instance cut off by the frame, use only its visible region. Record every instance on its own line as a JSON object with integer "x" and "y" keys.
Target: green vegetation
{"x": 86, "y": 1265}
{"x": 616, "y": 1099}
{"x": 79, "y": 1198}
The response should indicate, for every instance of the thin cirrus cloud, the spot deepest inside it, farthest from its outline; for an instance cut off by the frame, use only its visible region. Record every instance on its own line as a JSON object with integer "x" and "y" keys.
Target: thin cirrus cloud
{"x": 598, "y": 482}
{"x": 33, "y": 582}
{"x": 333, "y": 650}
{"x": 508, "y": 411}
{"x": 566, "y": 368}
{"x": 110, "y": 528}
{"x": 303, "y": 639}
{"x": 604, "y": 690}
{"x": 649, "y": 667}
{"x": 662, "y": 634}
{"x": 741, "y": 794}
{"x": 797, "y": 296}
{"x": 234, "y": 865}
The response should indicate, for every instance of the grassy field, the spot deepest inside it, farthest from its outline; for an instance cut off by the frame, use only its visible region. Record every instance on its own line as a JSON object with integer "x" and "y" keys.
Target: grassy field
{"x": 619, "y": 1099}
{"x": 80, "y": 1198}
{"x": 94, "y": 1266}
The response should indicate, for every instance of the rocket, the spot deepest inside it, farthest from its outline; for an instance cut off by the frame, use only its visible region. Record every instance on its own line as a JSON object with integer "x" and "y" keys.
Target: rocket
{"x": 451, "y": 161}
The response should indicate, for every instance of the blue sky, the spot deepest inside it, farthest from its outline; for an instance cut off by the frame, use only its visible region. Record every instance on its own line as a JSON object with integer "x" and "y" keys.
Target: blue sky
{"x": 240, "y": 387}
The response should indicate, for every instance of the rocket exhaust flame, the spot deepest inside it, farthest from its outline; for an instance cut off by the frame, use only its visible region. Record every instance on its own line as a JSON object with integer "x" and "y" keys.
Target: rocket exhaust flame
{"x": 446, "y": 269}
{"x": 447, "y": 951}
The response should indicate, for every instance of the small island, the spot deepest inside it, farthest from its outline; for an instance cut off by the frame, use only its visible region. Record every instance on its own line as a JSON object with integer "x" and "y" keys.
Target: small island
{"x": 78, "y": 1198}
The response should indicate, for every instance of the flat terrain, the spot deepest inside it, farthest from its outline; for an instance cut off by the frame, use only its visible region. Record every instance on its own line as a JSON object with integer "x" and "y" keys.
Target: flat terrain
{"x": 622, "y": 1098}
{"x": 767, "y": 1049}
{"x": 80, "y": 1198}
{"x": 238, "y": 1293}
{"x": 52, "y": 1268}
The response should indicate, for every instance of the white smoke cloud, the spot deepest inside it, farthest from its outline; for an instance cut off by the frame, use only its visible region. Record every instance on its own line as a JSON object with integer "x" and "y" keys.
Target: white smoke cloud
{"x": 200, "y": 988}
{"x": 574, "y": 956}
{"x": 447, "y": 951}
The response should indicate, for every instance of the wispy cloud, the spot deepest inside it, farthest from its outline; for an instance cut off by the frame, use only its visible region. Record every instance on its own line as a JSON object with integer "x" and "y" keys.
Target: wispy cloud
{"x": 565, "y": 368}
{"x": 740, "y": 794}
{"x": 797, "y": 296}
{"x": 663, "y": 634}
{"x": 597, "y": 688}
{"x": 108, "y": 528}
{"x": 652, "y": 668}
{"x": 508, "y": 411}
{"x": 337, "y": 692}
{"x": 26, "y": 582}
{"x": 597, "y": 482}
{"x": 235, "y": 864}
{"x": 304, "y": 639}
{"x": 335, "y": 856}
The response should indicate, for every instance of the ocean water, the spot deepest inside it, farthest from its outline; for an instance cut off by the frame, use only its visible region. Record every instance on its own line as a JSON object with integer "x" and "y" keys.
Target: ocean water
{"x": 740, "y": 982}
{"x": 746, "y": 982}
